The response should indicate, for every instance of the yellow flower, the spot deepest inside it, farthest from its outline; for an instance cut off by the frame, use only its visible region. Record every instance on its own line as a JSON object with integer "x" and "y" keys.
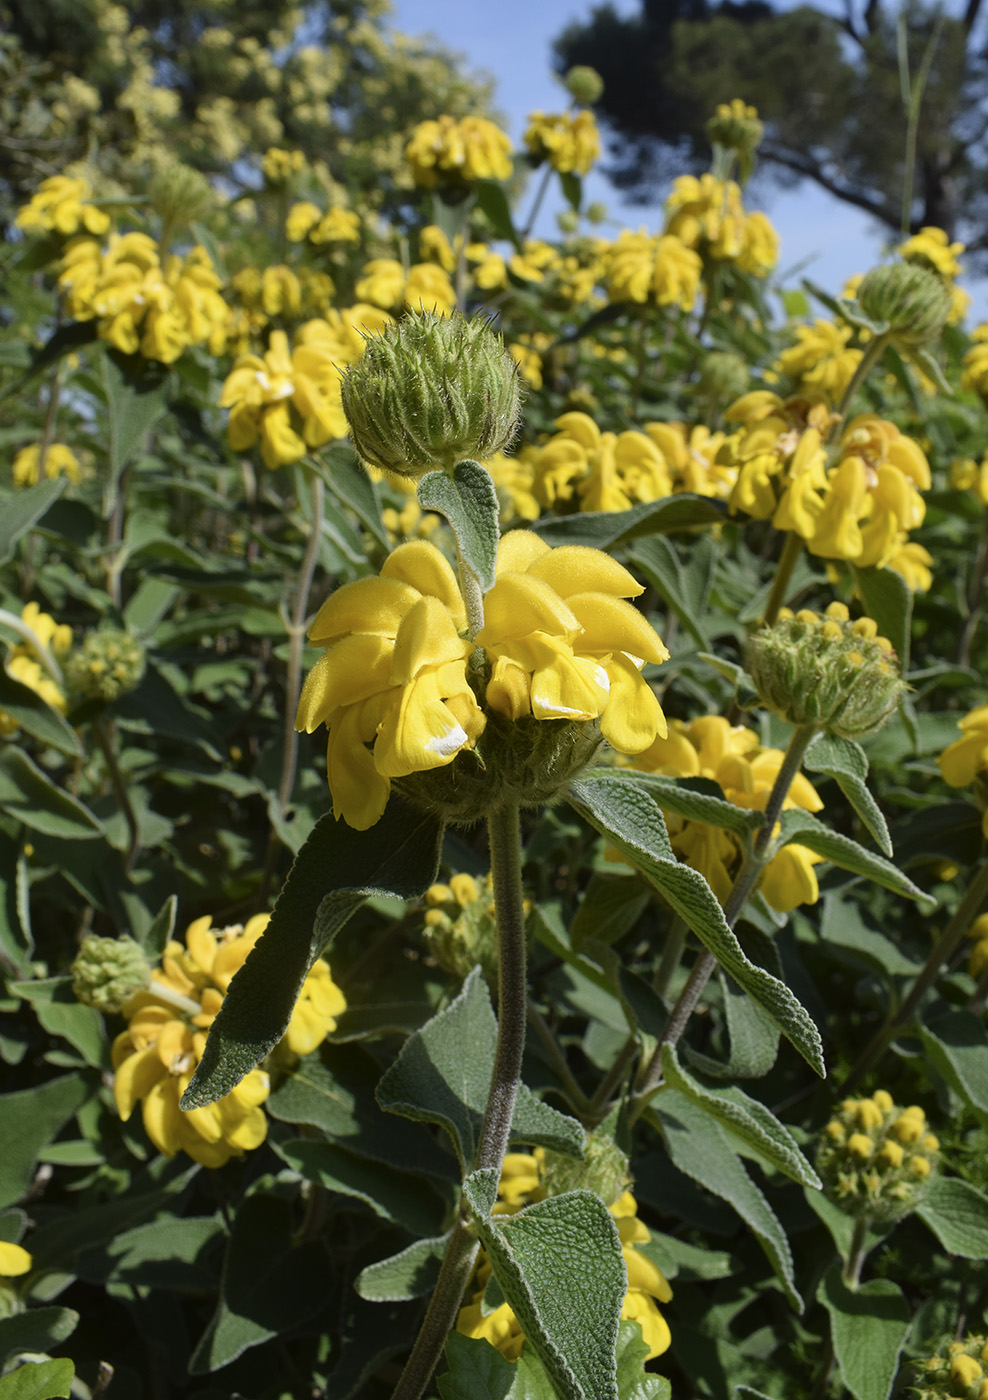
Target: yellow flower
{"x": 337, "y": 225}
{"x": 975, "y": 374}
{"x": 862, "y": 1160}
{"x": 59, "y": 459}
{"x": 707, "y": 214}
{"x": 569, "y": 141}
{"x": 155, "y": 1057}
{"x": 382, "y": 283}
{"x": 966, "y": 760}
{"x": 693, "y": 458}
{"x": 14, "y": 1260}
{"x": 711, "y": 748}
{"x": 521, "y": 1184}
{"x": 609, "y": 471}
{"x": 451, "y": 151}
{"x": 60, "y": 206}
{"x": 821, "y": 361}
{"x": 561, "y": 642}
{"x": 638, "y": 267}
{"x": 760, "y": 245}
{"x": 434, "y": 246}
{"x": 932, "y": 247}
{"x": 491, "y": 271}
{"x": 527, "y": 353}
{"x": 534, "y": 260}
{"x": 514, "y": 478}
{"x": 301, "y": 220}
{"x": 428, "y": 288}
{"x": 23, "y": 664}
{"x": 968, "y": 475}
{"x": 279, "y": 166}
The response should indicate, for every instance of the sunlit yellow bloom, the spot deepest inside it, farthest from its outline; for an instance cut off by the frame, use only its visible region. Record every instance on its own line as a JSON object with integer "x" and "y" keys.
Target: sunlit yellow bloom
{"x": 767, "y": 440}
{"x": 639, "y": 267}
{"x": 521, "y": 1184}
{"x": 491, "y": 271}
{"x": 60, "y": 206}
{"x": 569, "y": 141}
{"x": 534, "y": 260}
{"x": 59, "y": 460}
{"x": 975, "y": 374}
{"x": 966, "y": 760}
{"x": 155, "y": 1057}
{"x": 429, "y": 288}
{"x": 707, "y": 214}
{"x": 456, "y": 151}
{"x": 337, "y": 225}
{"x": 968, "y": 475}
{"x": 692, "y": 456}
{"x": 23, "y": 662}
{"x": 434, "y": 246}
{"x": 279, "y": 166}
{"x": 760, "y": 245}
{"x": 711, "y": 748}
{"x": 895, "y": 471}
{"x": 608, "y": 471}
{"x": 302, "y": 218}
{"x": 821, "y": 359}
{"x": 14, "y": 1260}
{"x": 561, "y": 642}
{"x": 514, "y": 478}
{"x": 527, "y": 352}
{"x": 915, "y": 564}
{"x": 382, "y": 283}
{"x": 932, "y": 247}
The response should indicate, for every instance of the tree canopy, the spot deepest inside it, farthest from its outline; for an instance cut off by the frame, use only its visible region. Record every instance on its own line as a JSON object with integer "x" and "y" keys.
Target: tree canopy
{"x": 886, "y": 109}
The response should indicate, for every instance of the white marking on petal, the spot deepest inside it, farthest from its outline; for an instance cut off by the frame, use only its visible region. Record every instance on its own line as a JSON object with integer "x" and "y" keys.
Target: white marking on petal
{"x": 449, "y": 743}
{"x": 636, "y": 661}
{"x": 602, "y": 678}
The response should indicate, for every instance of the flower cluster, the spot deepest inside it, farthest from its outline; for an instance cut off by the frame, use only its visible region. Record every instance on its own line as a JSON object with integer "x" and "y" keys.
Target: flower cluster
{"x": 975, "y": 376}
{"x": 61, "y": 206}
{"x": 289, "y": 398}
{"x": 875, "y": 1158}
{"x": 559, "y": 642}
{"x": 569, "y": 141}
{"x": 279, "y": 166}
{"x": 459, "y": 925}
{"x": 968, "y": 475}
{"x": 59, "y": 460}
{"x": 821, "y": 361}
{"x": 708, "y": 215}
{"x": 732, "y": 757}
{"x": 959, "y": 1371}
{"x": 525, "y": 1179}
{"x": 966, "y": 760}
{"x": 140, "y": 303}
{"x": 155, "y": 1057}
{"x": 384, "y": 282}
{"x": 107, "y": 664}
{"x": 447, "y": 151}
{"x": 662, "y": 270}
{"x": 826, "y": 671}
{"x": 306, "y": 221}
{"x": 24, "y": 665}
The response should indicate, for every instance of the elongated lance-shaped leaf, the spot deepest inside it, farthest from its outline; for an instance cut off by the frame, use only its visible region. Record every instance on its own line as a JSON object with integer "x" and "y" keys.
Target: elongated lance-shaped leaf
{"x": 846, "y": 762}
{"x": 559, "y": 1264}
{"x": 888, "y": 600}
{"x": 443, "y": 1075}
{"x": 804, "y": 828}
{"x": 605, "y": 528}
{"x": 334, "y": 872}
{"x": 24, "y": 510}
{"x": 743, "y": 1116}
{"x": 686, "y": 800}
{"x": 468, "y": 499}
{"x": 869, "y": 1326}
{"x": 631, "y": 818}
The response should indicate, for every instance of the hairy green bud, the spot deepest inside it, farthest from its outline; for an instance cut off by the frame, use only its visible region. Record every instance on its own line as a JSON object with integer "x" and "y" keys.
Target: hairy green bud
{"x": 568, "y": 221}
{"x": 913, "y": 301}
{"x": 584, "y": 84}
{"x": 108, "y": 972}
{"x": 875, "y": 1158}
{"x": 736, "y": 127}
{"x": 958, "y": 1371}
{"x": 430, "y": 391}
{"x": 723, "y": 376}
{"x": 460, "y": 928}
{"x": 827, "y": 672}
{"x": 596, "y": 212}
{"x": 106, "y": 665}
{"x": 179, "y": 194}
{"x": 603, "y": 1170}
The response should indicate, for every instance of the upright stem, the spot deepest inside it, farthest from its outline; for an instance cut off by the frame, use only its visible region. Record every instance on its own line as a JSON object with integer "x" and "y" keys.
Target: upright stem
{"x": 537, "y": 202}
{"x": 791, "y": 551}
{"x": 504, "y": 834}
{"x": 873, "y": 352}
{"x": 975, "y": 599}
{"x": 744, "y": 882}
{"x": 945, "y": 948}
{"x": 300, "y": 611}
{"x": 473, "y": 595}
{"x": 856, "y": 1253}
{"x": 103, "y": 731}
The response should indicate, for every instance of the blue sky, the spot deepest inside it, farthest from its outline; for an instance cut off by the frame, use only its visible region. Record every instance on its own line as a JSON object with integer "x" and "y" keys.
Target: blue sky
{"x": 512, "y": 40}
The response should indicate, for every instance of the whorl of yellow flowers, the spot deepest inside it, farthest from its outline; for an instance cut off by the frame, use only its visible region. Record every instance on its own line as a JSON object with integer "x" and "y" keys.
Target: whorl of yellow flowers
{"x": 959, "y": 1371}
{"x": 875, "y": 1158}
{"x": 61, "y": 206}
{"x": 569, "y": 141}
{"x": 155, "y": 1057}
{"x": 732, "y": 757}
{"x": 59, "y": 460}
{"x": 524, "y": 1179}
{"x": 24, "y": 665}
{"x": 447, "y": 151}
{"x": 404, "y": 691}
{"x": 966, "y": 760}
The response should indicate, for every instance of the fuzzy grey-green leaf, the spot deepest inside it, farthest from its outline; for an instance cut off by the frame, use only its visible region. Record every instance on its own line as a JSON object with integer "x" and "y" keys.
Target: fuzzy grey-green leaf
{"x": 468, "y": 500}
{"x": 869, "y": 1327}
{"x": 845, "y": 761}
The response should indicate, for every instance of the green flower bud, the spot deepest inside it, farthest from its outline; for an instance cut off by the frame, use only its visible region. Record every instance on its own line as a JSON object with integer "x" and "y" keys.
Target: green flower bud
{"x": 913, "y": 301}
{"x": 826, "y": 671}
{"x": 106, "y": 665}
{"x": 460, "y": 928}
{"x": 875, "y": 1158}
{"x": 179, "y": 194}
{"x": 596, "y": 212}
{"x": 430, "y": 391}
{"x": 604, "y": 1169}
{"x": 108, "y": 972}
{"x": 723, "y": 376}
{"x": 568, "y": 221}
{"x": 736, "y": 126}
{"x": 958, "y": 1371}
{"x": 584, "y": 84}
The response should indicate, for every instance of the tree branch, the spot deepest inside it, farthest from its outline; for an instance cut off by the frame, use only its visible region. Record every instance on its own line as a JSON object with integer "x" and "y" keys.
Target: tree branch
{"x": 812, "y": 170}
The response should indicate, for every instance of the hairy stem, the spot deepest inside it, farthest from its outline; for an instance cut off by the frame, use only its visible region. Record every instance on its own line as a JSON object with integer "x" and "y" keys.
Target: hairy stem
{"x": 103, "y": 731}
{"x": 791, "y": 551}
{"x": 296, "y": 634}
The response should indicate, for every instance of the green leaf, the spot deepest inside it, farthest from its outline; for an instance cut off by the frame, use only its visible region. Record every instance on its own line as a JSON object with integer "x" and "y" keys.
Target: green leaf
{"x": 687, "y": 798}
{"x": 349, "y": 481}
{"x": 41, "y": 1329}
{"x": 468, "y": 500}
{"x": 269, "y": 1284}
{"x": 837, "y": 1221}
{"x": 493, "y": 200}
{"x": 604, "y": 529}
{"x": 559, "y": 1264}
{"x": 610, "y": 908}
{"x": 804, "y": 828}
{"x": 38, "y": 1380}
{"x": 630, "y": 817}
{"x": 684, "y": 588}
{"x": 16, "y": 943}
{"x": 699, "y": 1148}
{"x": 29, "y": 1120}
{"x": 957, "y": 1045}
{"x": 160, "y": 929}
{"x": 927, "y": 363}
{"x": 443, "y": 1075}
{"x": 169, "y": 1253}
{"x": 410, "y": 1274}
{"x": 846, "y": 762}
{"x": 23, "y": 509}
{"x": 334, "y": 872}
{"x": 572, "y": 187}
{"x": 748, "y": 1119}
{"x": 842, "y": 924}
{"x": 60, "y": 1014}
{"x": 36, "y": 717}
{"x": 957, "y": 1213}
{"x": 29, "y": 795}
{"x": 888, "y": 599}
{"x": 632, "y": 1353}
{"x": 391, "y": 1194}
{"x": 478, "y": 1371}
{"x": 134, "y": 405}
{"x": 869, "y": 1327}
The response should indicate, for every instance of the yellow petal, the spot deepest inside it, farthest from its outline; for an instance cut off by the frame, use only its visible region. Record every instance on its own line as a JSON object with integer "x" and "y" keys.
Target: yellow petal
{"x": 519, "y": 604}
{"x": 571, "y": 687}
{"x": 633, "y": 718}
{"x": 611, "y": 624}
{"x": 427, "y": 637}
{"x": 14, "y": 1260}
{"x": 646, "y": 1276}
{"x": 575, "y": 568}
{"x": 201, "y": 943}
{"x": 135, "y": 1077}
{"x": 420, "y": 733}
{"x": 638, "y": 1307}
{"x": 360, "y": 793}
{"x": 351, "y": 671}
{"x": 162, "y": 1116}
{"x": 790, "y": 880}
{"x": 374, "y": 605}
{"x": 518, "y": 551}
{"x": 422, "y": 565}
{"x": 509, "y": 690}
